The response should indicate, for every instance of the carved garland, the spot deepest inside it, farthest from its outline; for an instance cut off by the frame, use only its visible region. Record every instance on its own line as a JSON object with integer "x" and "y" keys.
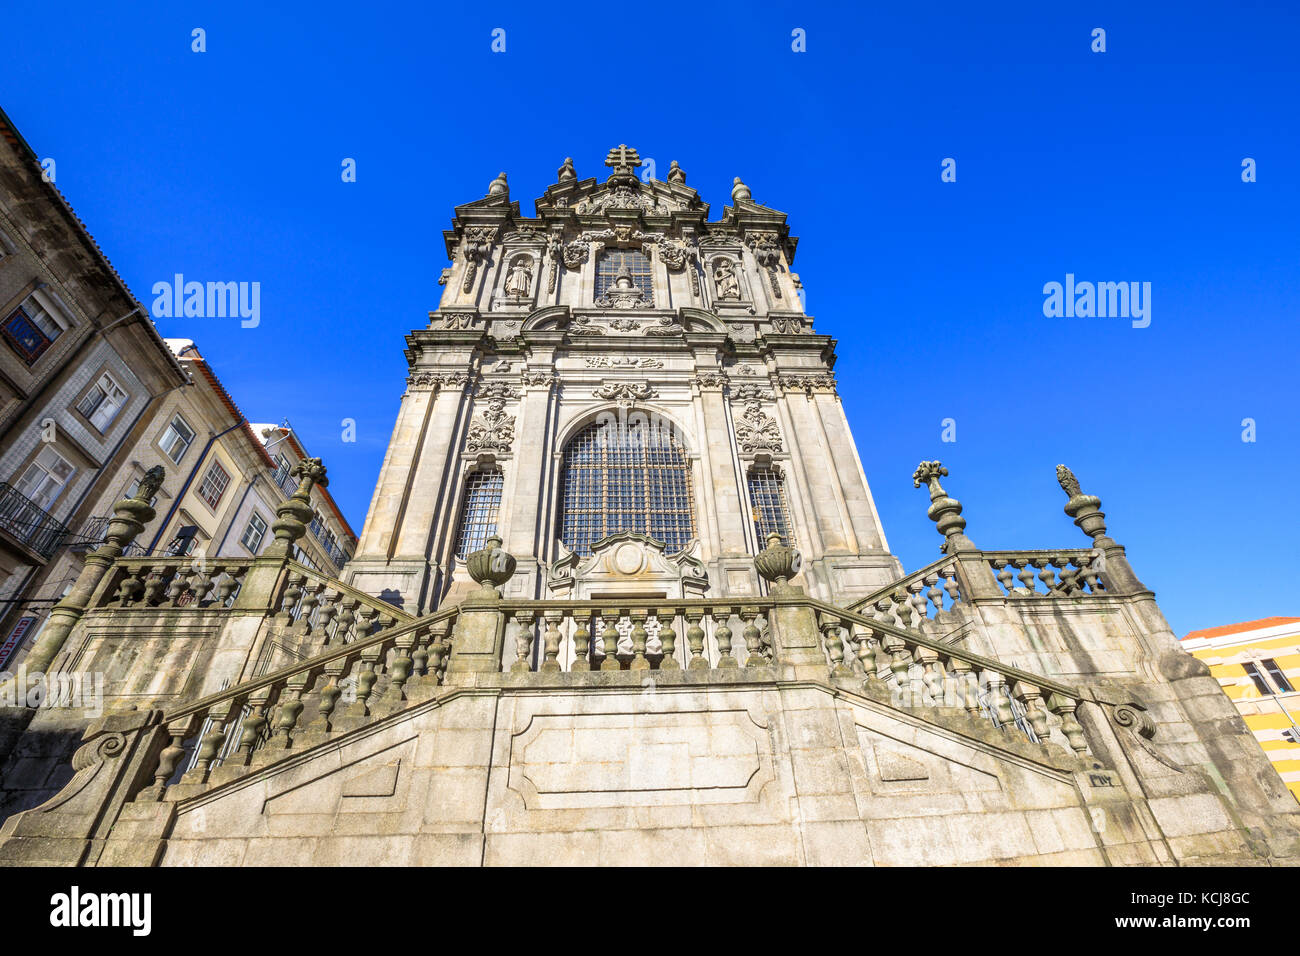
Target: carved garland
{"x": 757, "y": 431}
{"x": 493, "y": 430}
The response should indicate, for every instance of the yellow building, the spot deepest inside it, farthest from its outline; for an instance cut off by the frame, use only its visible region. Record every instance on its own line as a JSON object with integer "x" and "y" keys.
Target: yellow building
{"x": 1258, "y": 665}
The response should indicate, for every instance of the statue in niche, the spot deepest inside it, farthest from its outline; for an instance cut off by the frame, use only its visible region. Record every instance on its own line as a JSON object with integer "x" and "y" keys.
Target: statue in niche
{"x": 724, "y": 277}
{"x": 519, "y": 281}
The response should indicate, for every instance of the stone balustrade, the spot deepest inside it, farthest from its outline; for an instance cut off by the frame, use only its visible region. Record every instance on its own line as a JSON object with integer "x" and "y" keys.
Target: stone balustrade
{"x": 696, "y": 634}
{"x": 176, "y": 582}
{"x": 224, "y": 735}
{"x": 926, "y": 594}
{"x": 311, "y": 604}
{"x": 1054, "y": 574}
{"x": 914, "y": 671}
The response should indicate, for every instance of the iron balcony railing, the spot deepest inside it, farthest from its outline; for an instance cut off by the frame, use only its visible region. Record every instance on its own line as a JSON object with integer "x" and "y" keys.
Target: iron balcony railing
{"x": 28, "y": 522}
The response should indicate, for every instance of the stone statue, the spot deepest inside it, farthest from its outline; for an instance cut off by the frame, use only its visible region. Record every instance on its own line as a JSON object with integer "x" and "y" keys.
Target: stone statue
{"x": 724, "y": 277}
{"x": 150, "y": 483}
{"x": 519, "y": 282}
{"x": 566, "y": 173}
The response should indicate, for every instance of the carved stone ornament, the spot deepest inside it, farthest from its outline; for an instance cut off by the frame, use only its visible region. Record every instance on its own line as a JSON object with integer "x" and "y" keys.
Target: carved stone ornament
{"x": 454, "y": 321}
{"x": 787, "y": 325}
{"x": 582, "y": 325}
{"x": 628, "y": 197}
{"x": 624, "y": 293}
{"x": 575, "y": 253}
{"x": 519, "y": 278}
{"x": 496, "y": 390}
{"x": 666, "y": 325}
{"x": 431, "y": 379}
{"x": 538, "y": 377}
{"x": 605, "y": 361}
{"x": 757, "y": 431}
{"x": 673, "y": 254}
{"x": 750, "y": 392}
{"x": 711, "y": 379}
{"x": 626, "y": 394}
{"x": 475, "y": 247}
{"x": 493, "y": 430}
{"x": 807, "y": 383}
{"x": 725, "y": 283}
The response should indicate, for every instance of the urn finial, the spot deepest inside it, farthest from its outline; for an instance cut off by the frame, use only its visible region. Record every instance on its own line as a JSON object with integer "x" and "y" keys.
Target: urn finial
{"x": 499, "y": 187}
{"x": 490, "y": 567}
{"x": 676, "y": 174}
{"x": 566, "y": 172}
{"x": 778, "y": 563}
{"x": 740, "y": 191}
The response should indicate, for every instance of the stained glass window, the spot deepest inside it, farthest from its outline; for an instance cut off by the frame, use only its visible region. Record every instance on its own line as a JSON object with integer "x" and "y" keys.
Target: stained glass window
{"x": 478, "y": 515}
{"x": 626, "y": 475}
{"x": 767, "y": 500}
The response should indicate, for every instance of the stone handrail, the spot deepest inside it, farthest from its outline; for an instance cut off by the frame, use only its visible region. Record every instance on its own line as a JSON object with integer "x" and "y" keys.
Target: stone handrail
{"x": 300, "y": 705}
{"x": 923, "y": 590}
{"x": 318, "y": 604}
{"x": 174, "y": 582}
{"x": 918, "y": 671}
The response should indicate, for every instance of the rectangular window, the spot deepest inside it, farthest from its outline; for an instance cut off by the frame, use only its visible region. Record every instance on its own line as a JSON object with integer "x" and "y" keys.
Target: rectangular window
{"x": 767, "y": 500}
{"x": 45, "y": 478}
{"x": 478, "y": 515}
{"x": 1261, "y": 685}
{"x": 177, "y": 439}
{"x": 30, "y": 330}
{"x": 102, "y": 403}
{"x": 1275, "y": 673}
{"x": 254, "y": 533}
{"x": 282, "y": 467}
{"x": 214, "y": 484}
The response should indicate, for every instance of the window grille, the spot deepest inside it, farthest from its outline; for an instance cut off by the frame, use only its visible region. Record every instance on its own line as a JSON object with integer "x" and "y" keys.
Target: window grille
{"x": 768, "y": 505}
{"x": 478, "y": 515}
{"x": 626, "y": 476}
{"x": 638, "y": 266}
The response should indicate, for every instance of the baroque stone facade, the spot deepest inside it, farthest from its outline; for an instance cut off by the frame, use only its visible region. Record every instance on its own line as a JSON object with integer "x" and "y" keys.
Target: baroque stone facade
{"x": 578, "y": 628}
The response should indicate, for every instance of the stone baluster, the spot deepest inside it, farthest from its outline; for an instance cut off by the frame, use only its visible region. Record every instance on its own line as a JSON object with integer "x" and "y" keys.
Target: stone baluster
{"x": 667, "y": 618}
{"x": 967, "y": 686}
{"x": 365, "y": 625}
{"x": 998, "y": 700}
{"x": 934, "y": 594}
{"x": 209, "y": 746}
{"x": 329, "y": 694}
{"x": 366, "y": 678}
{"x": 551, "y": 641}
{"x": 229, "y": 584}
{"x": 918, "y": 601}
{"x": 581, "y": 641}
{"x": 203, "y": 585}
{"x": 1069, "y": 573}
{"x": 130, "y": 588}
{"x": 292, "y": 594}
{"x": 1091, "y": 576}
{"x": 399, "y": 671}
{"x": 420, "y": 655}
{"x": 1031, "y": 697}
{"x": 347, "y": 617}
{"x": 903, "y": 609}
{"x": 328, "y": 611}
{"x": 1003, "y": 574}
{"x": 253, "y": 724}
{"x": 310, "y": 601}
{"x": 175, "y": 588}
{"x": 639, "y": 637}
{"x": 439, "y": 650}
{"x": 722, "y": 635}
{"x": 753, "y": 638}
{"x": 830, "y": 628}
{"x": 609, "y": 637}
{"x": 900, "y": 664}
{"x": 523, "y": 642}
{"x": 884, "y": 611}
{"x": 931, "y": 676}
{"x": 153, "y": 584}
{"x": 1064, "y": 708}
{"x": 951, "y": 586}
{"x": 695, "y": 639}
{"x": 289, "y": 709}
{"x": 1026, "y": 575}
{"x": 168, "y": 759}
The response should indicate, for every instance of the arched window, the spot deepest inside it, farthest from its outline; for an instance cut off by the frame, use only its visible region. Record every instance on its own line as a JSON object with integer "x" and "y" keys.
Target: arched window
{"x": 478, "y": 514}
{"x": 612, "y": 261}
{"x": 767, "y": 500}
{"x": 626, "y": 475}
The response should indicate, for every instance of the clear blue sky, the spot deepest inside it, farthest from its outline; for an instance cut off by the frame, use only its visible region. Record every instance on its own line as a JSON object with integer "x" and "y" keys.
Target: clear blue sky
{"x": 1124, "y": 165}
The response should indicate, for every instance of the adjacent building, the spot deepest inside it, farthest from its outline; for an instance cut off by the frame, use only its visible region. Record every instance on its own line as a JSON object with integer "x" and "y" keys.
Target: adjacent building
{"x": 1258, "y": 665}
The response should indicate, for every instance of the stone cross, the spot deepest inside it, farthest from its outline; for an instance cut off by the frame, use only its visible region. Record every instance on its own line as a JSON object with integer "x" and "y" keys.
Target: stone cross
{"x": 623, "y": 159}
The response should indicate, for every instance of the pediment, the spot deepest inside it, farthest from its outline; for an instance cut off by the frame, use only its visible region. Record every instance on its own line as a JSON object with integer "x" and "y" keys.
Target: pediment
{"x": 629, "y": 559}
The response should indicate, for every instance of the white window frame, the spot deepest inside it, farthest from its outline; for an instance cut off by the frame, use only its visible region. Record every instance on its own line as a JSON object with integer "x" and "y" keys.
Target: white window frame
{"x": 171, "y": 427}
{"x": 29, "y": 484}
{"x": 101, "y": 404}
{"x": 261, "y": 533}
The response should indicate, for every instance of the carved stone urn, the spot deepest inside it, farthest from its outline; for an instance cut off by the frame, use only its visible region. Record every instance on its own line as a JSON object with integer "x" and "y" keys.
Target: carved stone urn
{"x": 778, "y": 563}
{"x": 491, "y": 567}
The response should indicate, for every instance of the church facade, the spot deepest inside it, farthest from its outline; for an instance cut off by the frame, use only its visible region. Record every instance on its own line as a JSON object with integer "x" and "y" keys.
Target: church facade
{"x": 619, "y": 363}
{"x": 623, "y": 597}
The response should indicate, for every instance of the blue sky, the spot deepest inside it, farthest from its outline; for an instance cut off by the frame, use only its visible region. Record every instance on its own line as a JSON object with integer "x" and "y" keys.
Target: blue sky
{"x": 1115, "y": 166}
